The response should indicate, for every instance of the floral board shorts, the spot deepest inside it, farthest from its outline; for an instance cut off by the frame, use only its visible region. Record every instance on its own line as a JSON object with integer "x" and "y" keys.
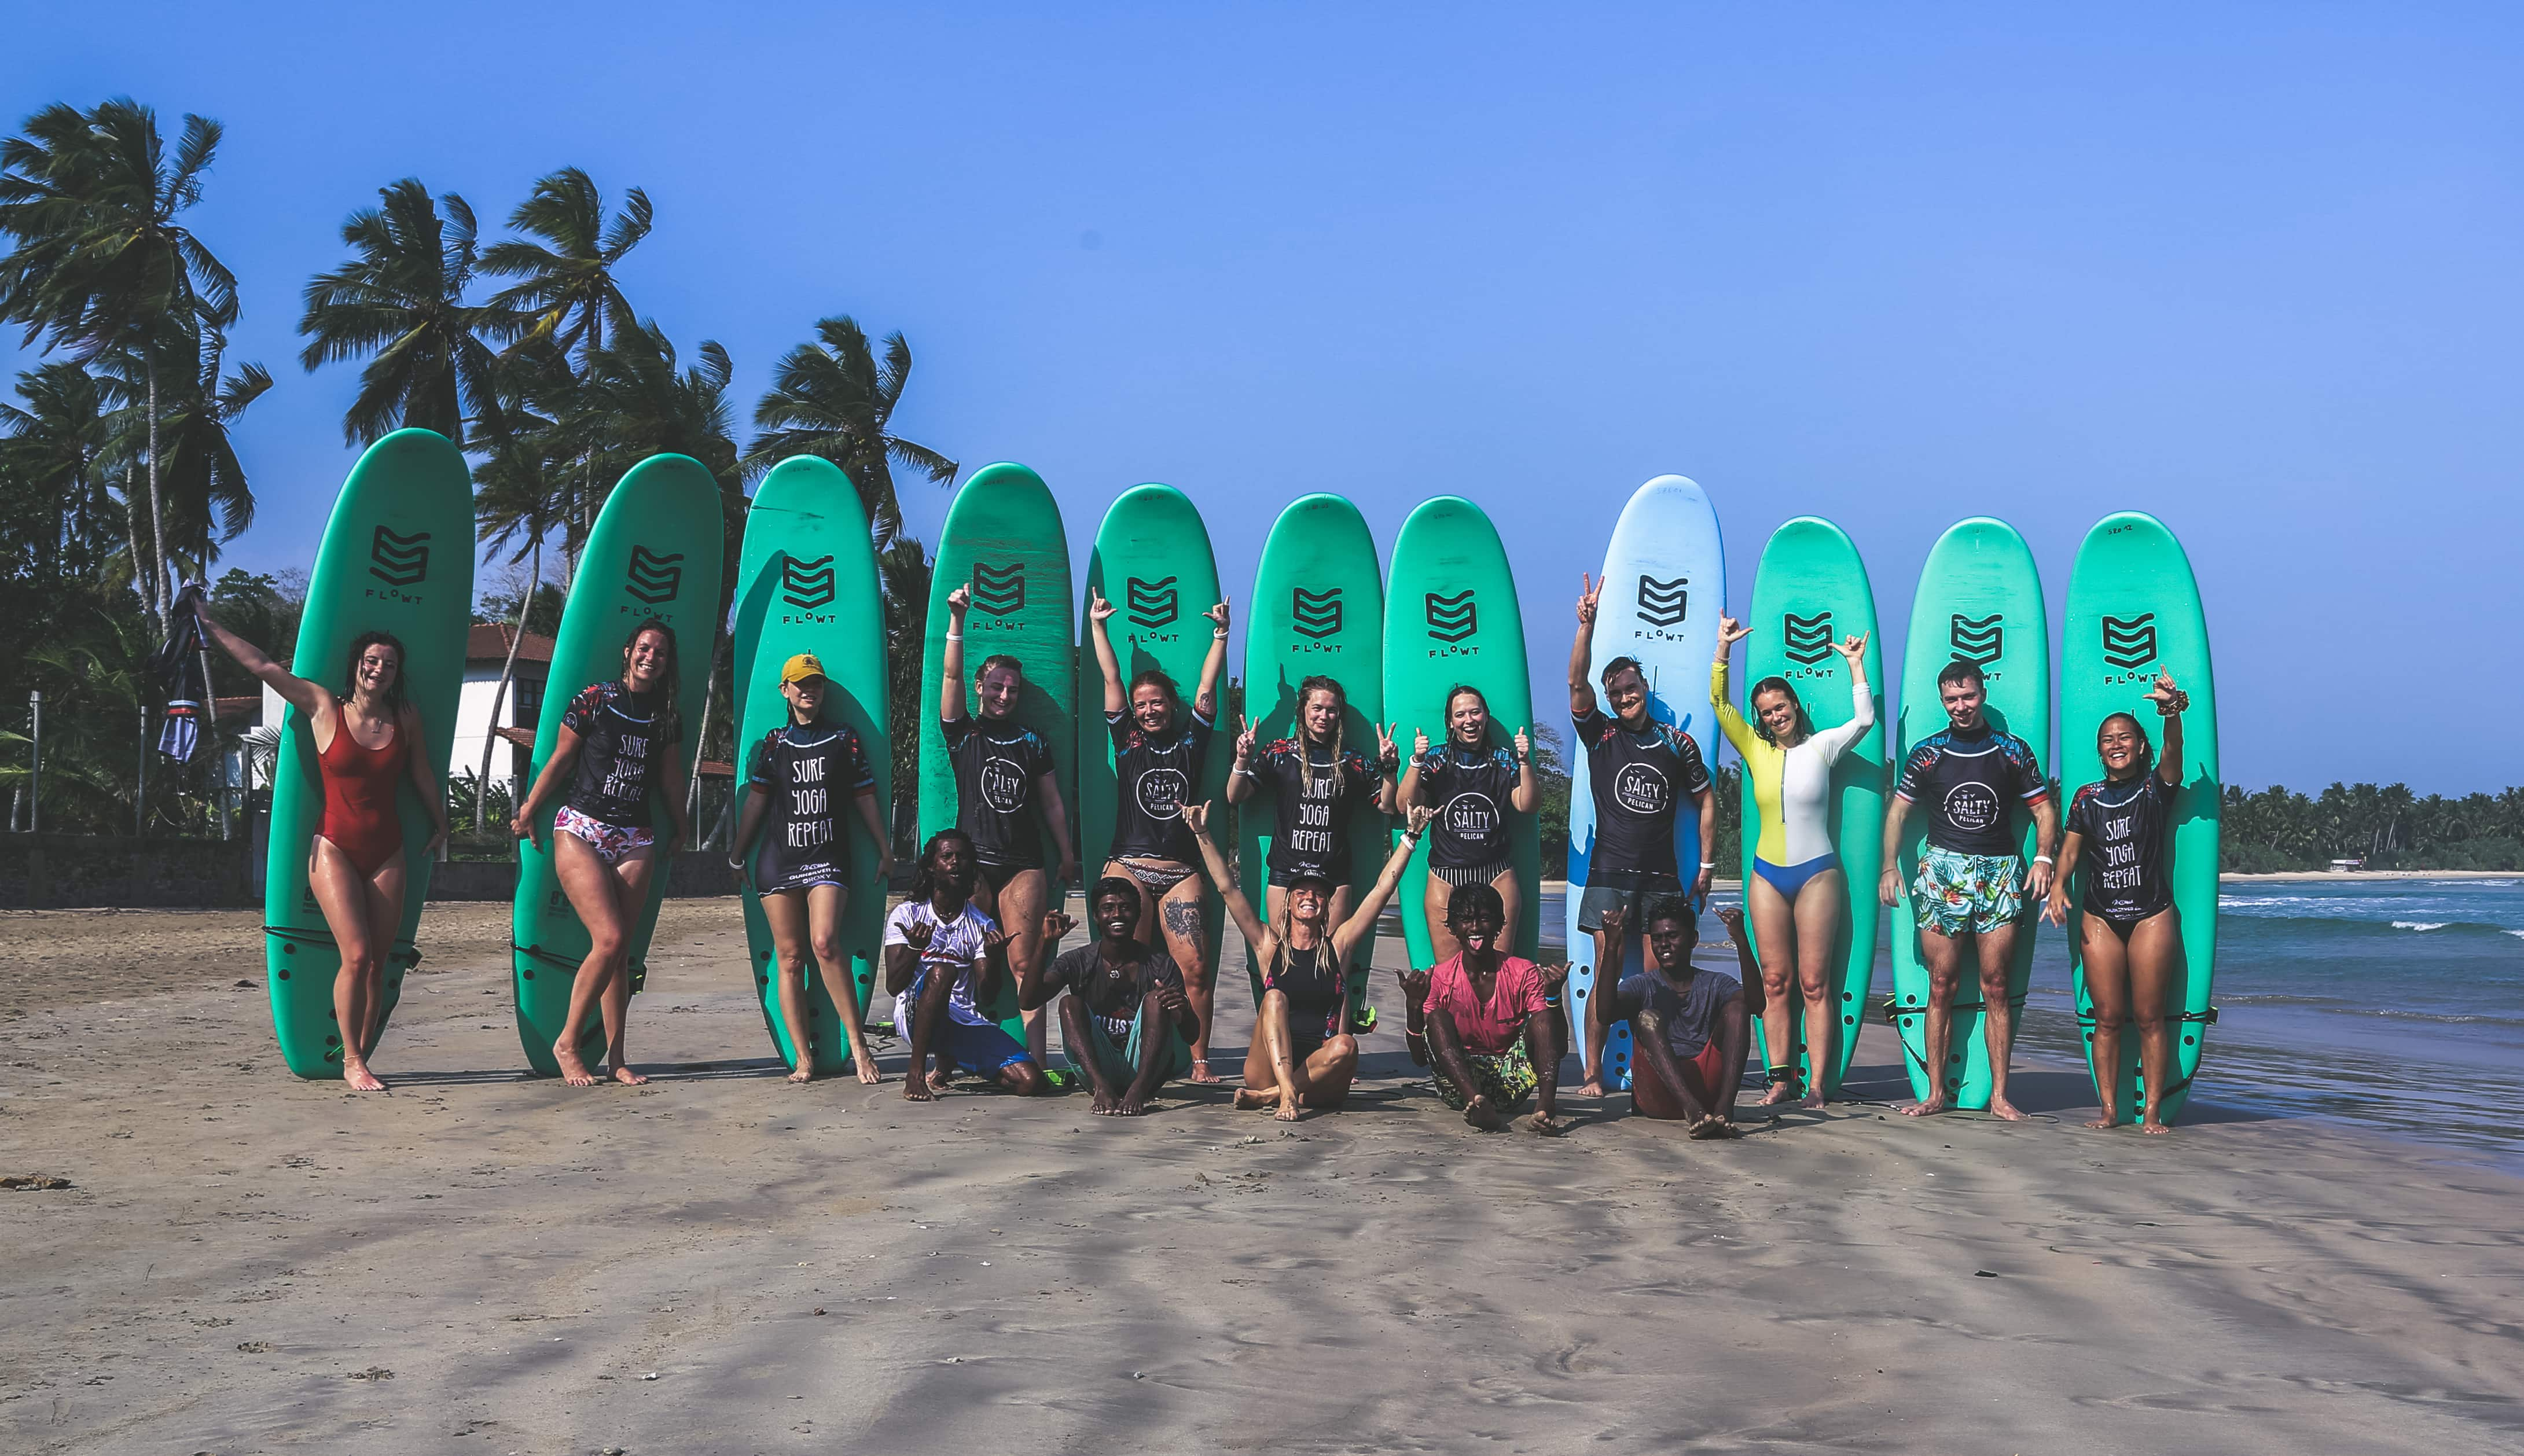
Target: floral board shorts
{"x": 1505, "y": 1079}
{"x": 1958, "y": 894}
{"x": 613, "y": 842}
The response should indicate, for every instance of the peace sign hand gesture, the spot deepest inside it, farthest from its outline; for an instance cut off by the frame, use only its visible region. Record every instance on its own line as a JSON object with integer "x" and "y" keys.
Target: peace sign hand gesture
{"x": 1218, "y": 614}
{"x": 1588, "y": 592}
{"x": 1246, "y": 731}
{"x": 1386, "y": 754}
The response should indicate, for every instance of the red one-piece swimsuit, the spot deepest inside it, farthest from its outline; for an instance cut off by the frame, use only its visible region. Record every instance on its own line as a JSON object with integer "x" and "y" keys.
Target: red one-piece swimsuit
{"x": 360, "y": 782}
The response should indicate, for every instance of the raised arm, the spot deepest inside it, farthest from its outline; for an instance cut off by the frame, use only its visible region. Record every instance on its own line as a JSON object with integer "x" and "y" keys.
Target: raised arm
{"x": 1239, "y": 908}
{"x": 2170, "y": 701}
{"x": 1835, "y": 742}
{"x": 1582, "y": 653}
{"x": 1347, "y": 935}
{"x": 1730, "y": 720}
{"x": 307, "y": 696}
{"x": 951, "y": 664}
{"x": 1117, "y": 692}
{"x": 1388, "y": 759}
{"x": 1526, "y": 796}
{"x": 1406, "y": 790}
{"x": 1212, "y": 667}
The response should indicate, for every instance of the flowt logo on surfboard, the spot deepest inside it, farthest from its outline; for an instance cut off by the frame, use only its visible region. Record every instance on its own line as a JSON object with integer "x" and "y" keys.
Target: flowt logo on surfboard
{"x": 655, "y": 580}
{"x": 1979, "y": 641}
{"x": 2130, "y": 642}
{"x": 1151, "y": 604}
{"x": 1664, "y": 603}
{"x": 399, "y": 561}
{"x": 998, "y": 590}
{"x": 1315, "y": 614}
{"x": 1807, "y": 639}
{"x": 1451, "y": 619}
{"x": 806, "y": 585}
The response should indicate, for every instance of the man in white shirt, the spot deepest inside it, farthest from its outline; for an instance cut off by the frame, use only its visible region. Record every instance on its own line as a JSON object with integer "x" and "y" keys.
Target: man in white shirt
{"x": 943, "y": 962}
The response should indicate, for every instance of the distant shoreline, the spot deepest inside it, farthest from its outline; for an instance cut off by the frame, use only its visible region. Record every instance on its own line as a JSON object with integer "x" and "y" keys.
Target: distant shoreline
{"x": 2347, "y": 877}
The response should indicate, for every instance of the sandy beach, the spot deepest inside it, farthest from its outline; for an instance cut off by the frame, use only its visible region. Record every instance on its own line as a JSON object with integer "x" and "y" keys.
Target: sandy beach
{"x": 719, "y": 1263}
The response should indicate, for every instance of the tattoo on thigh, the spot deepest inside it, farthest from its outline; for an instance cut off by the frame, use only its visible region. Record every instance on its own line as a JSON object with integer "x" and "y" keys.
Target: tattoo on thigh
{"x": 1182, "y": 917}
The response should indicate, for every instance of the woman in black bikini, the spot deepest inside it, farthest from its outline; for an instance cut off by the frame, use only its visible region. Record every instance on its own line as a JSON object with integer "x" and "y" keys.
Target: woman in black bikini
{"x": 2132, "y": 937}
{"x": 1158, "y": 750}
{"x": 1302, "y": 1055}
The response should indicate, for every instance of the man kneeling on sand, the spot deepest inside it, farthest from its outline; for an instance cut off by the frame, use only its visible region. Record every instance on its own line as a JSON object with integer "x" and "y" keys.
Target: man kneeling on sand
{"x": 1689, "y": 1028}
{"x": 1127, "y": 1019}
{"x": 942, "y": 963}
{"x": 1485, "y": 1018}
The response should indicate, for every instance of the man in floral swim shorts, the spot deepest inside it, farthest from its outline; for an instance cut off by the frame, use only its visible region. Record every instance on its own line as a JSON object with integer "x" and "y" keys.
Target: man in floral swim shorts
{"x": 1970, "y": 885}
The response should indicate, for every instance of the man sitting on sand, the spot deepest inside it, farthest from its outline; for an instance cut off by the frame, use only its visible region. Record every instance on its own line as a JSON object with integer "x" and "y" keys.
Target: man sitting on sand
{"x": 1485, "y": 1017}
{"x": 943, "y": 959}
{"x": 1127, "y": 1019}
{"x": 1688, "y": 1027}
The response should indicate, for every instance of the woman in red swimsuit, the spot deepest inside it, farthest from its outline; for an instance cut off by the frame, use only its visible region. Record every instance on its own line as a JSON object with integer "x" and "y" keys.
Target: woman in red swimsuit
{"x": 364, "y": 741}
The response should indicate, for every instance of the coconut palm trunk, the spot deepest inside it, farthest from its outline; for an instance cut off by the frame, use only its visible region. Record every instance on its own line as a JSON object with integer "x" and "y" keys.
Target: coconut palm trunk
{"x": 507, "y": 672}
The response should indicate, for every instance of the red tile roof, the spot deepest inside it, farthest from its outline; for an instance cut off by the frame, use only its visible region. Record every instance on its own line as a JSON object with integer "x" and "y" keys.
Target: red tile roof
{"x": 488, "y": 642}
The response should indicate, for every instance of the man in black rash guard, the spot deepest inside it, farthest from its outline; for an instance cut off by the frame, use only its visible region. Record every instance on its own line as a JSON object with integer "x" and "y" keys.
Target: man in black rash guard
{"x": 1159, "y": 746}
{"x": 1641, "y": 771}
{"x": 1007, "y": 798}
{"x": 1316, "y": 784}
{"x": 1127, "y": 1020}
{"x": 1970, "y": 776}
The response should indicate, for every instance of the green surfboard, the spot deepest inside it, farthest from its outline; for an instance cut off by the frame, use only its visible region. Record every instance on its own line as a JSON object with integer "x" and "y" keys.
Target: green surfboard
{"x": 2134, "y": 611}
{"x": 1810, "y": 592}
{"x": 1979, "y": 600}
{"x": 1454, "y": 620}
{"x": 806, "y": 582}
{"x": 1152, "y": 561}
{"x": 1003, "y": 538}
{"x": 654, "y": 555}
{"x": 1318, "y": 607}
{"x": 397, "y": 557}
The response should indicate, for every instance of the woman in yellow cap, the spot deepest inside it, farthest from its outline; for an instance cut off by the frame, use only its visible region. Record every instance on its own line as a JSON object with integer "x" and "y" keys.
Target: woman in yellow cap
{"x": 802, "y": 871}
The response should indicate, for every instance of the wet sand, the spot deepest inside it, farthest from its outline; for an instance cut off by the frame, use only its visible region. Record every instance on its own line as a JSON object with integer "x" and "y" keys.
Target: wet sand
{"x": 485, "y": 1263}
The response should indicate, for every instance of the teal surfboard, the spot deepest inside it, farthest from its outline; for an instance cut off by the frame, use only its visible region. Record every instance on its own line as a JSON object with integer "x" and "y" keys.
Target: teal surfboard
{"x": 806, "y": 582}
{"x": 1979, "y": 600}
{"x": 1318, "y": 607}
{"x": 1811, "y": 591}
{"x": 397, "y": 557}
{"x": 1153, "y": 563}
{"x": 1454, "y": 618}
{"x": 1005, "y": 539}
{"x": 2134, "y": 613}
{"x": 653, "y": 554}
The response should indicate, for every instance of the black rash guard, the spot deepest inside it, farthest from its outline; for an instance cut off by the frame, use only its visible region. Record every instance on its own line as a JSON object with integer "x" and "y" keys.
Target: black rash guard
{"x": 2123, "y": 856}
{"x": 1155, "y": 775}
{"x": 1312, "y": 799}
{"x": 1640, "y": 780}
{"x": 621, "y": 751}
{"x": 1472, "y": 789}
{"x": 996, "y": 768}
{"x": 803, "y": 774}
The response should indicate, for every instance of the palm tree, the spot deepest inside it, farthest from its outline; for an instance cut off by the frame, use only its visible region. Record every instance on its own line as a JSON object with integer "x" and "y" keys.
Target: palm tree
{"x": 402, "y": 299}
{"x": 56, "y": 447}
{"x": 208, "y": 497}
{"x": 834, "y": 399}
{"x": 101, "y": 262}
{"x": 520, "y": 494}
{"x": 566, "y": 296}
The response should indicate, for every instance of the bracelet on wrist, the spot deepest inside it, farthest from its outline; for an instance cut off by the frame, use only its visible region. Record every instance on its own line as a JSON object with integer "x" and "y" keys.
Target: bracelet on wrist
{"x": 955, "y": 637}
{"x": 2041, "y": 859}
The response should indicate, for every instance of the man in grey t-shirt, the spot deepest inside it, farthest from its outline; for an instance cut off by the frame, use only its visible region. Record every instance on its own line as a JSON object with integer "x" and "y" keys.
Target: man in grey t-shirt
{"x": 1689, "y": 1027}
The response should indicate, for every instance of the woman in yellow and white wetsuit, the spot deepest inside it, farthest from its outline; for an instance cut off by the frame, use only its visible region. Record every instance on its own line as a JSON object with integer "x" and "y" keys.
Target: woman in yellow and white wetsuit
{"x": 1797, "y": 900}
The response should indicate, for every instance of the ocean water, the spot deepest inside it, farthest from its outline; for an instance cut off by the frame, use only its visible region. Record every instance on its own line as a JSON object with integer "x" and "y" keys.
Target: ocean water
{"x": 2395, "y": 1005}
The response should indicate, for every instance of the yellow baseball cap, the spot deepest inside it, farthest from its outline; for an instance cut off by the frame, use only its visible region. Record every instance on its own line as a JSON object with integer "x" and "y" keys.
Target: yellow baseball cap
{"x": 802, "y": 668}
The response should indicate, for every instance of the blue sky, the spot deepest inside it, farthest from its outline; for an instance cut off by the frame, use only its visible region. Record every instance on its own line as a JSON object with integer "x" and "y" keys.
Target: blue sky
{"x": 2259, "y": 270}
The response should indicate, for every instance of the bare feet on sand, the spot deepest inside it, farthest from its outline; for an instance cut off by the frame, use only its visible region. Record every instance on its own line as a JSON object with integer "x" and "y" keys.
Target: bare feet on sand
{"x": 1814, "y": 1097}
{"x": 804, "y": 1074}
{"x": 357, "y": 1077}
{"x": 1779, "y": 1092}
{"x": 627, "y": 1077}
{"x": 2154, "y": 1129}
{"x": 1480, "y": 1114}
{"x": 1256, "y": 1099}
{"x": 916, "y": 1088}
{"x": 940, "y": 1080}
{"x": 2001, "y": 1107}
{"x": 1289, "y": 1111}
{"x": 1929, "y": 1108}
{"x": 1714, "y": 1126}
{"x": 2106, "y": 1123}
{"x": 572, "y": 1070}
{"x": 1200, "y": 1073}
{"x": 1544, "y": 1125}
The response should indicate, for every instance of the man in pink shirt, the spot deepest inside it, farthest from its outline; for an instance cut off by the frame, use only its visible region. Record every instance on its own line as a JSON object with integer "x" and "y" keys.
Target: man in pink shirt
{"x": 1483, "y": 1019}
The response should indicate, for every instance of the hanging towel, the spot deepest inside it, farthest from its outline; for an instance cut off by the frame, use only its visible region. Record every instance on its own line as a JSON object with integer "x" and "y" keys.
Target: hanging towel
{"x": 176, "y": 664}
